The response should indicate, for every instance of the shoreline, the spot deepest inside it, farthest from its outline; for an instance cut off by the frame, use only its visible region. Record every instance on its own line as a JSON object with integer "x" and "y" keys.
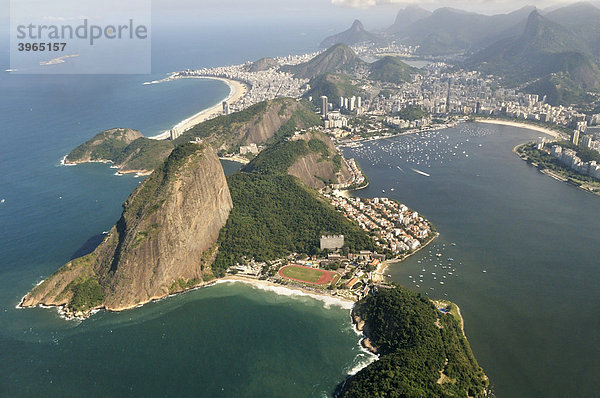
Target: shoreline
{"x": 399, "y": 260}
{"x": 138, "y": 173}
{"x": 237, "y": 90}
{"x": 556, "y": 175}
{"x": 529, "y": 126}
{"x": 286, "y": 290}
{"x": 293, "y": 289}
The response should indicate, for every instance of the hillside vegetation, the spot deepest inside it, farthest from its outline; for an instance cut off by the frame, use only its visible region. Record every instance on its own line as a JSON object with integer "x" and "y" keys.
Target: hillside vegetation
{"x": 106, "y": 145}
{"x": 423, "y": 351}
{"x": 276, "y": 215}
{"x": 338, "y": 58}
{"x": 555, "y": 61}
{"x": 333, "y": 86}
{"x": 392, "y": 70}
{"x": 261, "y": 123}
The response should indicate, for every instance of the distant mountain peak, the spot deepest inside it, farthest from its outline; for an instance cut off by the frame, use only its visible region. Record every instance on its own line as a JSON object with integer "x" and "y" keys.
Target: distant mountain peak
{"x": 534, "y": 15}
{"x": 407, "y": 16}
{"x": 356, "y": 34}
{"x": 357, "y": 26}
{"x": 338, "y": 57}
{"x": 582, "y": 4}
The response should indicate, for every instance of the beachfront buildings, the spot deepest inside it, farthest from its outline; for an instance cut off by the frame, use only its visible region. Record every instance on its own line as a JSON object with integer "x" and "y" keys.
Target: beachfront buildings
{"x": 569, "y": 158}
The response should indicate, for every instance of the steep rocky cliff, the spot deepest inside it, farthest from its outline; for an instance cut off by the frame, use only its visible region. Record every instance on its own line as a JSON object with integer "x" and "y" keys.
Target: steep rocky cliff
{"x": 324, "y": 166}
{"x": 163, "y": 243}
{"x": 311, "y": 156}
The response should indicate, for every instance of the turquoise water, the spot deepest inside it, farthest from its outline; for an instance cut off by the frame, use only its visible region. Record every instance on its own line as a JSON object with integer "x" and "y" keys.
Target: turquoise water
{"x": 229, "y": 340}
{"x": 226, "y": 340}
{"x": 532, "y": 316}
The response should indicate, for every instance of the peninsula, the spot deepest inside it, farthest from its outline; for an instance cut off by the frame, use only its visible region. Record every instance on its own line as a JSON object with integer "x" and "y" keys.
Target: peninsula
{"x": 153, "y": 250}
{"x": 281, "y": 219}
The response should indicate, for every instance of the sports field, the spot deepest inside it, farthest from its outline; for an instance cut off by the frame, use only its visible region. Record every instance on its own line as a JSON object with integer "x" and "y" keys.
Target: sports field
{"x": 307, "y": 275}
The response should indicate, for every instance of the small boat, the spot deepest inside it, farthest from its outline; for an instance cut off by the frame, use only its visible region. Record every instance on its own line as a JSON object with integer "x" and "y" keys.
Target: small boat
{"x": 3, "y": 200}
{"x": 421, "y": 172}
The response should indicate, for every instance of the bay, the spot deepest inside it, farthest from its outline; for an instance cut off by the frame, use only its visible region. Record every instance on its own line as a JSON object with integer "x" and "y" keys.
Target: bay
{"x": 517, "y": 251}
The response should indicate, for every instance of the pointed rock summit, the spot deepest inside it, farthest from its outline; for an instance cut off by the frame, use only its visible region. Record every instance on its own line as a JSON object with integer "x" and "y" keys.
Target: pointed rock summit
{"x": 356, "y": 34}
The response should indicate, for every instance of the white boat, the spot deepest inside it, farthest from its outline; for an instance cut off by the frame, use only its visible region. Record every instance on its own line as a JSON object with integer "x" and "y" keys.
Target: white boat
{"x": 421, "y": 172}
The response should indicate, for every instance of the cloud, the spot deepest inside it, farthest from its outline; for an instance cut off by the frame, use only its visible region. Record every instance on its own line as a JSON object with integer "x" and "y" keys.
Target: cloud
{"x": 355, "y": 3}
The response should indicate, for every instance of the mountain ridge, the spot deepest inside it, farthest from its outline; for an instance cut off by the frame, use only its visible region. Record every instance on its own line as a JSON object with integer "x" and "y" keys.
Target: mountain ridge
{"x": 546, "y": 51}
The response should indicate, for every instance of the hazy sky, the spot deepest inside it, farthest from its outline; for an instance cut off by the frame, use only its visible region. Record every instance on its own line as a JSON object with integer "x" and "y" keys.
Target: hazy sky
{"x": 376, "y": 14}
{"x": 485, "y": 6}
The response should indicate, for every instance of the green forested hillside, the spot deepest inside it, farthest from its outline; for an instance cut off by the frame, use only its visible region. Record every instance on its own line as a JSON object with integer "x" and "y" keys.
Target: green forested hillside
{"x": 338, "y": 58}
{"x": 333, "y": 86}
{"x": 275, "y": 215}
{"x": 278, "y": 158}
{"x": 261, "y": 123}
{"x": 106, "y": 145}
{"x": 392, "y": 70}
{"x": 423, "y": 351}
{"x": 547, "y": 56}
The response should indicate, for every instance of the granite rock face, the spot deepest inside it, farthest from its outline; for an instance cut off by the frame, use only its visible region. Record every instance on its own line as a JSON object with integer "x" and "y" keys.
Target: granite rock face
{"x": 314, "y": 168}
{"x": 164, "y": 242}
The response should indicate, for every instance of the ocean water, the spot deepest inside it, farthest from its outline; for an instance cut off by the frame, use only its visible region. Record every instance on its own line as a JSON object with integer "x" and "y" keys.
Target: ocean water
{"x": 531, "y": 317}
{"x": 225, "y": 340}
{"x": 517, "y": 251}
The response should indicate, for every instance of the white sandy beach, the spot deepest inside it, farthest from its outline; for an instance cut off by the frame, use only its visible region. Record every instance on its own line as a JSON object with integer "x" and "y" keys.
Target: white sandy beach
{"x": 541, "y": 129}
{"x": 237, "y": 90}
{"x": 290, "y": 290}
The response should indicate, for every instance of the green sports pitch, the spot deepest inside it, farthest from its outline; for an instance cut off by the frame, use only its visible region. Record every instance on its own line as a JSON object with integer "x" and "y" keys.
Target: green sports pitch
{"x": 309, "y": 275}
